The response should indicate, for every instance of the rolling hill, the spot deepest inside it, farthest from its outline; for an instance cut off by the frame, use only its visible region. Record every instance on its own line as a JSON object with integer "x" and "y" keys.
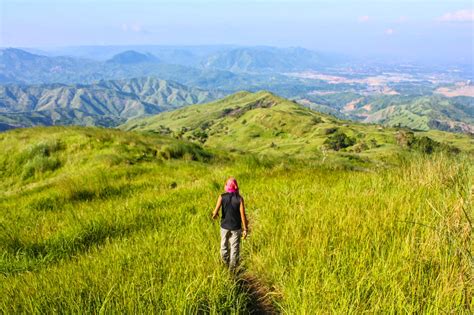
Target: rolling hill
{"x": 454, "y": 114}
{"x": 424, "y": 113}
{"x": 106, "y": 103}
{"x": 265, "y": 123}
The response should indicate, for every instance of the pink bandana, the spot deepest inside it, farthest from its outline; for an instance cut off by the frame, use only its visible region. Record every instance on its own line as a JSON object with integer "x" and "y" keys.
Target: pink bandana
{"x": 231, "y": 185}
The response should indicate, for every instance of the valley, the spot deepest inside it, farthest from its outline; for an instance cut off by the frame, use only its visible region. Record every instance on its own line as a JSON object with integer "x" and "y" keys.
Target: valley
{"x": 410, "y": 96}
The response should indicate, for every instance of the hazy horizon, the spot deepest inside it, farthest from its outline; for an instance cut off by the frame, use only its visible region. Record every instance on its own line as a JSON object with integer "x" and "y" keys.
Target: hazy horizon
{"x": 435, "y": 31}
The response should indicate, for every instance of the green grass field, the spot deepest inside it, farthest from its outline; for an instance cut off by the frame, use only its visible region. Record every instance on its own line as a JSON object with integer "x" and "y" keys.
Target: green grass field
{"x": 99, "y": 220}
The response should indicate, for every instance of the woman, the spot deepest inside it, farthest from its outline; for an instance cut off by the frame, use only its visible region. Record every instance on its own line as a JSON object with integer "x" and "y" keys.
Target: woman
{"x": 233, "y": 222}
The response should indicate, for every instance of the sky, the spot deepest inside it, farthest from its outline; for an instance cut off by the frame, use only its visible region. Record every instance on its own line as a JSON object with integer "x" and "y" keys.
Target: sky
{"x": 438, "y": 30}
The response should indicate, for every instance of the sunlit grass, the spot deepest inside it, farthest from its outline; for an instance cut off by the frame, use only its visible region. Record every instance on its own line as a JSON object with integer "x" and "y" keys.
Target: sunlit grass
{"x": 123, "y": 224}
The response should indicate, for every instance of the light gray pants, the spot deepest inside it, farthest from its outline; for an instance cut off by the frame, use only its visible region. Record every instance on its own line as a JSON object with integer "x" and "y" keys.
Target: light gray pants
{"x": 230, "y": 247}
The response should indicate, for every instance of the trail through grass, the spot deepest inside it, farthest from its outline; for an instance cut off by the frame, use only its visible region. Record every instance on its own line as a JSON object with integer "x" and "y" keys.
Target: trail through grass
{"x": 120, "y": 227}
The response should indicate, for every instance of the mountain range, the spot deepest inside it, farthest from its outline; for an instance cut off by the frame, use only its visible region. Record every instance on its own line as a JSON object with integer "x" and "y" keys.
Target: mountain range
{"x": 39, "y": 89}
{"x": 268, "y": 59}
{"x": 105, "y": 103}
{"x": 19, "y": 66}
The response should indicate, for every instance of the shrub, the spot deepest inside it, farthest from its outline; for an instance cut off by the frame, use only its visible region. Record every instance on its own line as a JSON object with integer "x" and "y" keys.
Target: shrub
{"x": 424, "y": 144}
{"x": 373, "y": 143}
{"x": 428, "y": 146}
{"x": 405, "y": 138}
{"x": 200, "y": 135}
{"x": 361, "y": 146}
{"x": 44, "y": 149}
{"x": 277, "y": 133}
{"x": 330, "y": 131}
{"x": 189, "y": 151}
{"x": 39, "y": 165}
{"x": 206, "y": 125}
{"x": 226, "y": 112}
{"x": 339, "y": 141}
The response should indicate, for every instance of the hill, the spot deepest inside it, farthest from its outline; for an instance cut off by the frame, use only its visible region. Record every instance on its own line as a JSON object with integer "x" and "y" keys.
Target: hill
{"x": 455, "y": 114}
{"x": 105, "y": 103}
{"x": 265, "y": 123}
{"x": 101, "y": 220}
{"x": 424, "y": 113}
{"x": 133, "y": 57}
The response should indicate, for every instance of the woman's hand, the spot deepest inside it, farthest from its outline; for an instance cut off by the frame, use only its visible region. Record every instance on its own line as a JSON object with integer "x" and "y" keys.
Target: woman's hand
{"x": 215, "y": 213}
{"x": 244, "y": 234}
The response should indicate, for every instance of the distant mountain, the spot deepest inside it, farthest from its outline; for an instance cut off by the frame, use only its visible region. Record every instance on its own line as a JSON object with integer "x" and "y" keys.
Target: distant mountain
{"x": 106, "y": 103}
{"x": 19, "y": 66}
{"x": 65, "y": 70}
{"x": 180, "y": 55}
{"x": 228, "y": 69}
{"x": 132, "y": 57}
{"x": 267, "y": 59}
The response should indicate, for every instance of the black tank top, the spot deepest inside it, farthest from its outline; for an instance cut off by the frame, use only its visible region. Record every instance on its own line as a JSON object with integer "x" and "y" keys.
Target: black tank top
{"x": 231, "y": 219}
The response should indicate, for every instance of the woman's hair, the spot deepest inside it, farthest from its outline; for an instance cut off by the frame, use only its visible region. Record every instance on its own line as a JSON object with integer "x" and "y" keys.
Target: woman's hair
{"x": 231, "y": 185}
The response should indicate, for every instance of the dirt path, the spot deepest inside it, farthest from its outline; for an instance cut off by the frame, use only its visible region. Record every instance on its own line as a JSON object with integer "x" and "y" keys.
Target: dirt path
{"x": 259, "y": 295}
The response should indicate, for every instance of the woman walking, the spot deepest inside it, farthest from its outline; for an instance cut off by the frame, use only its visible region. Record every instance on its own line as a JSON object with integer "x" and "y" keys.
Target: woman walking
{"x": 233, "y": 222}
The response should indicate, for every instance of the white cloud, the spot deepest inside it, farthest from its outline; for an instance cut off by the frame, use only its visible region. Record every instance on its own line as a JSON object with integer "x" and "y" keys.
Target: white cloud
{"x": 389, "y": 31}
{"x": 458, "y": 16}
{"x": 132, "y": 27}
{"x": 363, "y": 18}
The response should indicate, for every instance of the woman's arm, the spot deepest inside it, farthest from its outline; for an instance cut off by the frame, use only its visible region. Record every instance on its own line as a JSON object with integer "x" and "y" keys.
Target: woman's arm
{"x": 243, "y": 217}
{"x": 216, "y": 210}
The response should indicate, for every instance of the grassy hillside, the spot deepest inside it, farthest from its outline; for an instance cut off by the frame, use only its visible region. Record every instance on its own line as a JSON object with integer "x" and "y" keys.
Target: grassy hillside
{"x": 98, "y": 220}
{"x": 264, "y": 123}
{"x": 106, "y": 103}
{"x": 455, "y": 114}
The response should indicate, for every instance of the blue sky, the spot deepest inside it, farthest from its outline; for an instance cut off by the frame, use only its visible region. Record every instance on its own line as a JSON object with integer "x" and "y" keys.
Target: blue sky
{"x": 423, "y": 29}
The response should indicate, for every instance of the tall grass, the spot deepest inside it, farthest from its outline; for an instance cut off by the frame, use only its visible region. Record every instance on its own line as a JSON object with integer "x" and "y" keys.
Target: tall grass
{"x": 136, "y": 236}
{"x": 394, "y": 241}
